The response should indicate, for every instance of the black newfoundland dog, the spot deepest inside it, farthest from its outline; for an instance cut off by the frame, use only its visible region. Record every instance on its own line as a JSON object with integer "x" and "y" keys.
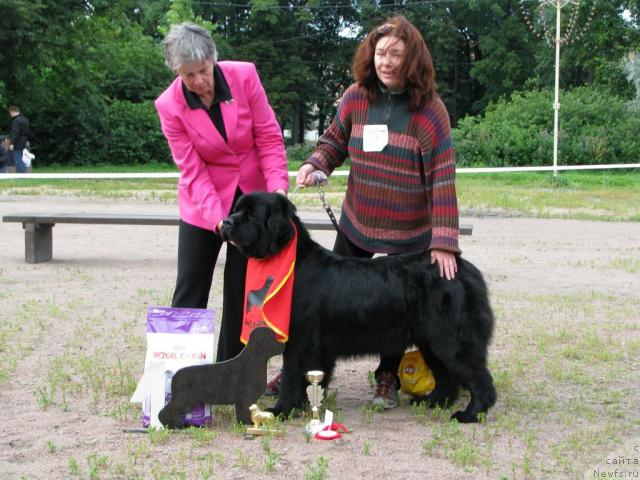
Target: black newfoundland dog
{"x": 344, "y": 307}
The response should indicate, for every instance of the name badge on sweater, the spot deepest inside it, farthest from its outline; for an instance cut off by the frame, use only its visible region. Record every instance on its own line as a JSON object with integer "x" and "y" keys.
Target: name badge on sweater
{"x": 375, "y": 138}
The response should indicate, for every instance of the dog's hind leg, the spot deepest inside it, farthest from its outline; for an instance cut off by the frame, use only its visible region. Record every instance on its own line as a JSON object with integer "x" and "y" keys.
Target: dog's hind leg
{"x": 483, "y": 396}
{"x": 445, "y": 392}
{"x": 470, "y": 368}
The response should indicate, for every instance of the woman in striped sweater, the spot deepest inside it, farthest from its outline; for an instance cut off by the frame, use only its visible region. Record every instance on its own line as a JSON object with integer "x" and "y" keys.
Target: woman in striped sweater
{"x": 401, "y": 193}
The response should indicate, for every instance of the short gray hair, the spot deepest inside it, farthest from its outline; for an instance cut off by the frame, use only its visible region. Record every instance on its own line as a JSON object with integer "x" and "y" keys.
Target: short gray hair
{"x": 186, "y": 43}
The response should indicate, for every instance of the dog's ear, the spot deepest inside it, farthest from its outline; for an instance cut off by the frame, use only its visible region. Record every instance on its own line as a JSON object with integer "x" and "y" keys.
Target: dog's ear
{"x": 279, "y": 224}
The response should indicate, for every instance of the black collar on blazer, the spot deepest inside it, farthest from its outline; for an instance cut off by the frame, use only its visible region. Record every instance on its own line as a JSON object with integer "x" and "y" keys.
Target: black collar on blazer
{"x": 228, "y": 108}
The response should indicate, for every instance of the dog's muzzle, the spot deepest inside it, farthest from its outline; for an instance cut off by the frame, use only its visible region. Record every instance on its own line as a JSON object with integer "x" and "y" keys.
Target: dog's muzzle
{"x": 226, "y": 224}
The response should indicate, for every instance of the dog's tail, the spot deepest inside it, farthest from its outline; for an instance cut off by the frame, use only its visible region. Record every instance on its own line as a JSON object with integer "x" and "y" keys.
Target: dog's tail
{"x": 476, "y": 305}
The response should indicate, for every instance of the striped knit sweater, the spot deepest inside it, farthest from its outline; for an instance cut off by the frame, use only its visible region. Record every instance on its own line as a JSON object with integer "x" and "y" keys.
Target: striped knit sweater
{"x": 403, "y": 198}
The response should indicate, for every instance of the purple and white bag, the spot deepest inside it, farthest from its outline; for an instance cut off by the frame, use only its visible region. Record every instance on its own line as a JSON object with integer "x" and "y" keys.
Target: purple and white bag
{"x": 176, "y": 338}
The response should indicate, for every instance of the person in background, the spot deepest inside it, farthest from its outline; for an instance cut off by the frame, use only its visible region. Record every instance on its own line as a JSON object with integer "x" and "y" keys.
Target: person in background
{"x": 4, "y": 153}
{"x": 20, "y": 133}
{"x": 401, "y": 194}
{"x": 225, "y": 140}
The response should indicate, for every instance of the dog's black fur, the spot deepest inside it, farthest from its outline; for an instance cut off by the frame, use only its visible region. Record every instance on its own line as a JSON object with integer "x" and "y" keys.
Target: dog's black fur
{"x": 343, "y": 307}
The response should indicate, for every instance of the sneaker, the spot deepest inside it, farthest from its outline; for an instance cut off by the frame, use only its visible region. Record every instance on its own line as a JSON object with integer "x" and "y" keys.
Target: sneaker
{"x": 386, "y": 391}
{"x": 273, "y": 387}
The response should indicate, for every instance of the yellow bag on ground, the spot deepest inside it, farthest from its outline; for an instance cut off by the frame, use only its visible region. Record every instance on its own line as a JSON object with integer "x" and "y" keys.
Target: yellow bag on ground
{"x": 415, "y": 376}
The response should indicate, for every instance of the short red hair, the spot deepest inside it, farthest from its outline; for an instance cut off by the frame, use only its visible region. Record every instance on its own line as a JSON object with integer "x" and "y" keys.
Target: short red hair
{"x": 417, "y": 67}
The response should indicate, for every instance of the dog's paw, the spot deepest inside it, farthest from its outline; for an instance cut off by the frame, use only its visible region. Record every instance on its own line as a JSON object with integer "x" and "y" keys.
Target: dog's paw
{"x": 277, "y": 412}
{"x": 464, "y": 417}
{"x": 284, "y": 412}
{"x": 170, "y": 421}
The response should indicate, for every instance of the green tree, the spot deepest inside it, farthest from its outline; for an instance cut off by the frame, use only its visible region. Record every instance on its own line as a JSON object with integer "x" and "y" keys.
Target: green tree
{"x": 596, "y": 127}
{"x": 331, "y": 40}
{"x": 501, "y": 60}
{"x": 74, "y": 64}
{"x": 591, "y": 49}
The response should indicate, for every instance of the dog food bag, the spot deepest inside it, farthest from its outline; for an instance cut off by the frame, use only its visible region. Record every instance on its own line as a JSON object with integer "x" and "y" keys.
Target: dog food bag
{"x": 176, "y": 338}
{"x": 416, "y": 378}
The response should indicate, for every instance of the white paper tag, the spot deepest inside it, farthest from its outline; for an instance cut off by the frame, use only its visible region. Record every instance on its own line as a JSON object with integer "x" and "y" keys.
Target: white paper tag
{"x": 328, "y": 420}
{"x": 374, "y": 138}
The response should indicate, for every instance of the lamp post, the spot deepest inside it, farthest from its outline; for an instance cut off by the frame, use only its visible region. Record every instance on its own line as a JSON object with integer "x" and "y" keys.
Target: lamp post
{"x": 559, "y": 39}
{"x": 556, "y": 101}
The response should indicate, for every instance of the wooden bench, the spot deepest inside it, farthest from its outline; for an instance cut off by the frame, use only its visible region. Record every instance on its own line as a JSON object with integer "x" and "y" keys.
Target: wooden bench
{"x": 38, "y": 234}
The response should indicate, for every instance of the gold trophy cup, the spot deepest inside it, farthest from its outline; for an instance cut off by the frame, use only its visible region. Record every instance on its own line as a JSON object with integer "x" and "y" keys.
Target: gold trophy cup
{"x": 315, "y": 393}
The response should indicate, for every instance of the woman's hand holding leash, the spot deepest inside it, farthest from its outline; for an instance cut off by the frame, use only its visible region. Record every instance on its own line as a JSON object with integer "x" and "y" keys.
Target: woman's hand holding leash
{"x": 309, "y": 175}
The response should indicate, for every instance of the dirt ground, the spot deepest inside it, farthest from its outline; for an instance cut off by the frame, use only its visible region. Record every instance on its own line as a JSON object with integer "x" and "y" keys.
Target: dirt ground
{"x": 83, "y": 313}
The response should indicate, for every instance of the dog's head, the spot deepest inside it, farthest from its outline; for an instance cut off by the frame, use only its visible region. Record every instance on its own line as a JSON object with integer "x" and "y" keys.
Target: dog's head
{"x": 260, "y": 225}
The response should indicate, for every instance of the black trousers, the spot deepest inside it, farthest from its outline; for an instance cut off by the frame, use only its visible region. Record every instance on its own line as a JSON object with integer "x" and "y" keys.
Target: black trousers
{"x": 345, "y": 247}
{"x": 198, "y": 251}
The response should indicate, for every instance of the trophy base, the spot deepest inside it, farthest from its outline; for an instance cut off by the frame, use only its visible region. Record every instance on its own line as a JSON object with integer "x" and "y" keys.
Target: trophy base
{"x": 263, "y": 431}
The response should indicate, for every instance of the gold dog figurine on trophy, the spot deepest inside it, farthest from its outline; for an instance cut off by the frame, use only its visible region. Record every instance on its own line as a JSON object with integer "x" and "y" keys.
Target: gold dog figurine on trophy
{"x": 263, "y": 422}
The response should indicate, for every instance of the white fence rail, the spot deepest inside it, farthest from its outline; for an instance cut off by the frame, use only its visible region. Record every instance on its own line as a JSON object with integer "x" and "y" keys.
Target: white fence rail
{"x": 52, "y": 176}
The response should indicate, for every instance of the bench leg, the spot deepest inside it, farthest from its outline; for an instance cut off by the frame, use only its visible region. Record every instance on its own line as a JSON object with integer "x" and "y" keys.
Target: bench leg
{"x": 38, "y": 242}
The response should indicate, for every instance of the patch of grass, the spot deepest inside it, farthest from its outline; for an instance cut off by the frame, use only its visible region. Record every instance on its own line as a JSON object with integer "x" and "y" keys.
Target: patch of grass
{"x": 570, "y": 374}
{"x": 138, "y": 451}
{"x": 96, "y": 463}
{"x": 271, "y": 456}
{"x": 238, "y": 427}
{"x": 206, "y": 465}
{"x": 161, "y": 471}
{"x": 592, "y": 195}
{"x": 317, "y": 470}
{"x": 366, "y": 448}
{"x": 158, "y": 436}
{"x": 73, "y": 467}
{"x": 627, "y": 264}
{"x": 450, "y": 440}
{"x": 51, "y": 447}
{"x": 108, "y": 372}
{"x": 22, "y": 329}
{"x": 201, "y": 437}
{"x": 371, "y": 378}
{"x": 586, "y": 196}
{"x": 243, "y": 461}
{"x": 368, "y": 411}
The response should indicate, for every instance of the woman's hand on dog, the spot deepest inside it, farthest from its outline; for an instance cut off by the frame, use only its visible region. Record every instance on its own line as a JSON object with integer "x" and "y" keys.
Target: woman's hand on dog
{"x": 446, "y": 263}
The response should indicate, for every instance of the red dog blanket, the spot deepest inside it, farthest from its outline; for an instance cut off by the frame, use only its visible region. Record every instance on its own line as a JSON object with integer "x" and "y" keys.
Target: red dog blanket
{"x": 267, "y": 292}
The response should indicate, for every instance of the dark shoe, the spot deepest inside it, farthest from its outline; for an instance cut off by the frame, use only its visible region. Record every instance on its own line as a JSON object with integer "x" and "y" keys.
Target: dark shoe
{"x": 386, "y": 391}
{"x": 273, "y": 387}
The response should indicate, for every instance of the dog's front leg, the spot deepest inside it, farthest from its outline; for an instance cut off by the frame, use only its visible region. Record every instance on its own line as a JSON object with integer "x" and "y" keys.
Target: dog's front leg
{"x": 169, "y": 416}
{"x": 292, "y": 387}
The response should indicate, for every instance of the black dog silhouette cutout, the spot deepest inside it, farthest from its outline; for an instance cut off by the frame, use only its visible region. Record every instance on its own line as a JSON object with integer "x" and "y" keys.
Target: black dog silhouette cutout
{"x": 239, "y": 381}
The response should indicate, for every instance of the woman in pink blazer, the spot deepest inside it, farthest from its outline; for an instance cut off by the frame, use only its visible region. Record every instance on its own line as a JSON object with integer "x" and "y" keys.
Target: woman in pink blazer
{"x": 225, "y": 140}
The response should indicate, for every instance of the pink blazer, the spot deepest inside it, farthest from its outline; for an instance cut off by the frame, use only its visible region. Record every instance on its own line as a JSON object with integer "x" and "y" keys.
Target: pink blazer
{"x": 254, "y": 159}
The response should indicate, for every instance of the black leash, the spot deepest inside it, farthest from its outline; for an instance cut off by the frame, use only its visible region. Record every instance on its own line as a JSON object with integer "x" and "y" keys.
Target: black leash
{"x": 327, "y": 208}
{"x": 320, "y": 179}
